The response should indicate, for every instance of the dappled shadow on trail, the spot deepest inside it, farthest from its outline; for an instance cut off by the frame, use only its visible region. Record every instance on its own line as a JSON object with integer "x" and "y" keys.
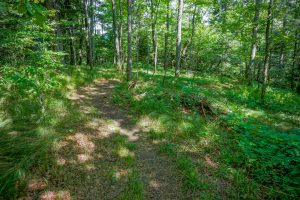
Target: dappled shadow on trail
{"x": 100, "y": 159}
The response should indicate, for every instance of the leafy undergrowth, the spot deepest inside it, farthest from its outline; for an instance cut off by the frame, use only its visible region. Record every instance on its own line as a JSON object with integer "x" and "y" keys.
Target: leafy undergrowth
{"x": 226, "y": 143}
{"x": 34, "y": 113}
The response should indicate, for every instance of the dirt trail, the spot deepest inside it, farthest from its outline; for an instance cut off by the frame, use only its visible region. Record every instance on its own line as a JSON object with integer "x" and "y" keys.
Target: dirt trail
{"x": 87, "y": 159}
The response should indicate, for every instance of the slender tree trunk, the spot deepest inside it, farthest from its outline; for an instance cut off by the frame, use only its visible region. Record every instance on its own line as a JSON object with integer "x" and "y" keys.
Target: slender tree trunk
{"x": 293, "y": 74}
{"x": 190, "y": 41}
{"x": 298, "y": 77}
{"x": 129, "y": 45}
{"x": 81, "y": 38}
{"x": 117, "y": 62}
{"x": 191, "y": 46}
{"x": 166, "y": 59}
{"x": 121, "y": 34}
{"x": 282, "y": 45}
{"x": 92, "y": 30}
{"x": 87, "y": 35}
{"x": 166, "y": 53}
{"x": 250, "y": 67}
{"x": 258, "y": 72}
{"x": 58, "y": 33}
{"x": 72, "y": 46}
{"x": 178, "y": 38}
{"x": 154, "y": 34}
{"x": 267, "y": 52}
{"x": 137, "y": 39}
{"x": 148, "y": 57}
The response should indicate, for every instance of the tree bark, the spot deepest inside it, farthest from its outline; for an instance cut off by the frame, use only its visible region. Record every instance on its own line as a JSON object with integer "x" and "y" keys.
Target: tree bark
{"x": 87, "y": 35}
{"x": 293, "y": 71}
{"x": 190, "y": 41}
{"x": 117, "y": 62}
{"x": 267, "y": 51}
{"x": 154, "y": 34}
{"x": 81, "y": 38}
{"x": 72, "y": 46}
{"x": 121, "y": 34}
{"x": 178, "y": 38}
{"x": 92, "y": 30}
{"x": 250, "y": 66}
{"x": 166, "y": 53}
{"x": 295, "y": 74}
{"x": 166, "y": 56}
{"x": 129, "y": 40}
{"x": 137, "y": 39}
{"x": 282, "y": 44}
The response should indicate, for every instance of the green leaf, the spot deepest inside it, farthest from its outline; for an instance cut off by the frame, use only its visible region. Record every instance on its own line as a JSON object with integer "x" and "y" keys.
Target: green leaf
{"x": 29, "y": 8}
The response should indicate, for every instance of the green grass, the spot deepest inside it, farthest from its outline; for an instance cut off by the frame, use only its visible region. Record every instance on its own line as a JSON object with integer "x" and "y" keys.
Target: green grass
{"x": 33, "y": 116}
{"x": 134, "y": 188}
{"x": 256, "y": 146}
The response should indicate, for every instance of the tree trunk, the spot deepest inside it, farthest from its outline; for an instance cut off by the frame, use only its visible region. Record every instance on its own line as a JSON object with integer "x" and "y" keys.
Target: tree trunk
{"x": 92, "y": 30}
{"x": 250, "y": 67}
{"x": 72, "y": 46}
{"x": 121, "y": 34}
{"x": 117, "y": 62}
{"x": 138, "y": 41}
{"x": 267, "y": 52}
{"x": 293, "y": 74}
{"x": 166, "y": 53}
{"x": 166, "y": 56}
{"x": 282, "y": 44}
{"x": 190, "y": 41}
{"x": 178, "y": 38}
{"x": 87, "y": 35}
{"x": 129, "y": 45}
{"x": 80, "y": 52}
{"x": 154, "y": 34}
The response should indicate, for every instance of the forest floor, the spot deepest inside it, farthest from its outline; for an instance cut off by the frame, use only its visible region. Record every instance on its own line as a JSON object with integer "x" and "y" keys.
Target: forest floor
{"x": 108, "y": 158}
{"x": 202, "y": 137}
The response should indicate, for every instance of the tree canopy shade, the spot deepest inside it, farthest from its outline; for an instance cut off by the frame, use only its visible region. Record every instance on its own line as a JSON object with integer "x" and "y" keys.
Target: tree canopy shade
{"x": 180, "y": 63}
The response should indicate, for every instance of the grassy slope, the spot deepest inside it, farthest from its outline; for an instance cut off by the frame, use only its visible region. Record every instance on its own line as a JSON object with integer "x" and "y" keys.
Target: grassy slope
{"x": 246, "y": 150}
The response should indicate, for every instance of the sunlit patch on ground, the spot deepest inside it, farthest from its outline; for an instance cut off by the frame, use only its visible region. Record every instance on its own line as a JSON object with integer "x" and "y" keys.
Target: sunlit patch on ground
{"x": 59, "y": 145}
{"x": 154, "y": 184}
{"x": 82, "y": 158}
{"x": 124, "y": 152}
{"x": 94, "y": 123}
{"x": 210, "y": 162}
{"x": 60, "y": 161}
{"x": 90, "y": 167}
{"x": 61, "y": 195}
{"x": 83, "y": 142}
{"x": 36, "y": 184}
{"x": 120, "y": 174}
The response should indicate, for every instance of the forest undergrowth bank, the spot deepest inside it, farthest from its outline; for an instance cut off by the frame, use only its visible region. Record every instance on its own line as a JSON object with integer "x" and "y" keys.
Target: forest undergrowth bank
{"x": 220, "y": 135}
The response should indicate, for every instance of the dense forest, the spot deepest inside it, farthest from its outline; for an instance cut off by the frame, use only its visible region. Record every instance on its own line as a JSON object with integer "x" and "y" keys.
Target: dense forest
{"x": 149, "y": 99}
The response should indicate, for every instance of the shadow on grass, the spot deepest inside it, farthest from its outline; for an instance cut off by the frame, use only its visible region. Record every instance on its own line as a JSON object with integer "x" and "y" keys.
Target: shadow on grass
{"x": 30, "y": 123}
{"x": 105, "y": 157}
